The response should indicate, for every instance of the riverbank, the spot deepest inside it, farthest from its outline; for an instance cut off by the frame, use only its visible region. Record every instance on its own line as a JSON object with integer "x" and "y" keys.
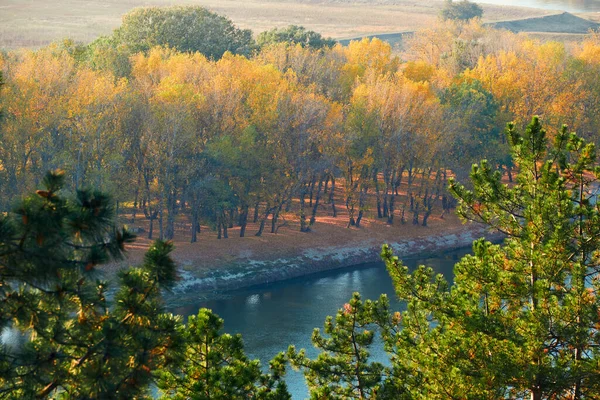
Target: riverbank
{"x": 212, "y": 266}
{"x": 198, "y": 285}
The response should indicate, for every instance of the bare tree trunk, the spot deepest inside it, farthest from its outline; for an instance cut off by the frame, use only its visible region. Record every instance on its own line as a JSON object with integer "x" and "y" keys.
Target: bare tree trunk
{"x": 219, "y": 225}
{"x": 255, "y": 220}
{"x": 231, "y": 217}
{"x": 303, "y": 225}
{"x": 312, "y": 189}
{"x": 361, "y": 205}
{"x": 161, "y": 235}
{"x": 170, "y": 229}
{"x": 275, "y": 213}
{"x": 195, "y": 224}
{"x": 243, "y": 220}
{"x": 377, "y": 193}
{"x": 263, "y": 220}
{"x": 332, "y": 196}
{"x": 315, "y": 209}
{"x": 415, "y": 220}
{"x": 224, "y": 223}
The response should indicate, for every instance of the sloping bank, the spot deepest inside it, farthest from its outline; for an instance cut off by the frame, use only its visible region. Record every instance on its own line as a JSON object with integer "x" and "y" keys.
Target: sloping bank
{"x": 203, "y": 284}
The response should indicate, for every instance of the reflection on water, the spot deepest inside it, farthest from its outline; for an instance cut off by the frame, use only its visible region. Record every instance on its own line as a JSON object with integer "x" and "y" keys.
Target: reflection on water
{"x": 271, "y": 317}
{"x": 573, "y": 6}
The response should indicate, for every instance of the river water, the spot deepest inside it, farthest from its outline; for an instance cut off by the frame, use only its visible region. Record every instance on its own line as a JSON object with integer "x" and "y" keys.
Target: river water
{"x": 271, "y": 317}
{"x": 572, "y": 6}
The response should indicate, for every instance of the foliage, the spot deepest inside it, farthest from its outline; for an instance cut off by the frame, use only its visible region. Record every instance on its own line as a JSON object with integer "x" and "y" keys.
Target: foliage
{"x": 183, "y": 136}
{"x": 73, "y": 344}
{"x": 520, "y": 319}
{"x": 63, "y": 338}
{"x": 185, "y": 29}
{"x": 217, "y": 368}
{"x": 343, "y": 370}
{"x": 462, "y": 10}
{"x": 294, "y": 35}
{"x": 474, "y": 113}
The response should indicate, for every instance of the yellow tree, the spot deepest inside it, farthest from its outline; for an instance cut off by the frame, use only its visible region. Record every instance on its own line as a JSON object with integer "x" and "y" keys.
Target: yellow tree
{"x": 34, "y": 139}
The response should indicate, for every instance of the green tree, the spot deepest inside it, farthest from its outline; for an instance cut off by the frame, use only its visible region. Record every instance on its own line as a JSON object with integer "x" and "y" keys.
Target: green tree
{"x": 462, "y": 10}
{"x": 473, "y": 113}
{"x": 294, "y": 34}
{"x": 74, "y": 344}
{"x": 66, "y": 340}
{"x": 185, "y": 29}
{"x": 521, "y": 319}
{"x": 217, "y": 367}
{"x": 343, "y": 369}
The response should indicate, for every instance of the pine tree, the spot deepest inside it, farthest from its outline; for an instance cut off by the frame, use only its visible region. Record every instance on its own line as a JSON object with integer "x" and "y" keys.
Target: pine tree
{"x": 73, "y": 344}
{"x": 217, "y": 368}
{"x": 521, "y": 319}
{"x": 343, "y": 369}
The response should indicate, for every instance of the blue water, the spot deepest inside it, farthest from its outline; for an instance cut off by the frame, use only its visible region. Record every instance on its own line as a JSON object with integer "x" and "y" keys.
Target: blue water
{"x": 273, "y": 316}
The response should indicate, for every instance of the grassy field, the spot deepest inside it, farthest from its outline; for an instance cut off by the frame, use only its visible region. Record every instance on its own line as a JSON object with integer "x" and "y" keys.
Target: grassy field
{"x": 32, "y": 23}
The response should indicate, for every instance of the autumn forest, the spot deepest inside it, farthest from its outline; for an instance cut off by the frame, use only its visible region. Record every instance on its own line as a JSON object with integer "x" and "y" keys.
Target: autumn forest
{"x": 183, "y": 123}
{"x": 221, "y": 138}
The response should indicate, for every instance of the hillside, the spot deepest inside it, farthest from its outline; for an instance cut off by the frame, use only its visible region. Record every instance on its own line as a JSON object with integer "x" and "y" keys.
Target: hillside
{"x": 35, "y": 23}
{"x": 559, "y": 23}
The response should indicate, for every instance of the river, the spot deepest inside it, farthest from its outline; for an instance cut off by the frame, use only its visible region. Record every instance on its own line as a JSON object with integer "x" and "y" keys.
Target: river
{"x": 270, "y": 317}
{"x": 573, "y": 6}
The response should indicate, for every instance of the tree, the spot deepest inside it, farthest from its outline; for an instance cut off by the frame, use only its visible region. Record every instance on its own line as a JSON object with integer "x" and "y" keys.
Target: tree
{"x": 474, "y": 113}
{"x": 461, "y": 11}
{"x": 74, "y": 343}
{"x": 521, "y": 320}
{"x": 185, "y": 29}
{"x": 294, "y": 35}
{"x": 343, "y": 369}
{"x": 217, "y": 368}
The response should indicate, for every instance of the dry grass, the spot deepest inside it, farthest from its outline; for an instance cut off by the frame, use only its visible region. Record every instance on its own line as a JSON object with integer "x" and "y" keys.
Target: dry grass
{"x": 32, "y": 23}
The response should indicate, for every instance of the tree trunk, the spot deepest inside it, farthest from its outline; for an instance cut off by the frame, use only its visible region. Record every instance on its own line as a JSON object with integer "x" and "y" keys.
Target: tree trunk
{"x": 415, "y": 220}
{"x": 303, "y": 225}
{"x": 224, "y": 223}
{"x": 243, "y": 220}
{"x": 331, "y": 196}
{"x": 195, "y": 224}
{"x": 377, "y": 193}
{"x": 263, "y": 220}
{"x": 161, "y": 233}
{"x": 315, "y": 209}
{"x": 255, "y": 220}
{"x": 151, "y": 230}
{"x": 219, "y": 225}
{"x": 231, "y": 217}
{"x": 361, "y": 205}
{"x": 170, "y": 229}
{"x": 312, "y": 189}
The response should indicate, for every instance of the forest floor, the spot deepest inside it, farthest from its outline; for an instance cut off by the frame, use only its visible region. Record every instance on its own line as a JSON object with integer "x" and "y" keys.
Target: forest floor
{"x": 212, "y": 266}
{"x": 209, "y": 252}
{"x": 34, "y": 23}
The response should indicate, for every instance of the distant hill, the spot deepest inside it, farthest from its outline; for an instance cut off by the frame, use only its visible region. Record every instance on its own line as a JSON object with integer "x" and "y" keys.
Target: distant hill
{"x": 565, "y": 23}
{"x": 558, "y": 23}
